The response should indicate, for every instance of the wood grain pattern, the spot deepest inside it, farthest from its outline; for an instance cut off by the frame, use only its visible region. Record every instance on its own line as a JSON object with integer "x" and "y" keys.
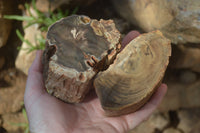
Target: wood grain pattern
{"x": 137, "y": 71}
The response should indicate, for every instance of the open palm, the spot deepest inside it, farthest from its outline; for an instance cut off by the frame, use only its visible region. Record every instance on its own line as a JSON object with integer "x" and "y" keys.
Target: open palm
{"x": 47, "y": 114}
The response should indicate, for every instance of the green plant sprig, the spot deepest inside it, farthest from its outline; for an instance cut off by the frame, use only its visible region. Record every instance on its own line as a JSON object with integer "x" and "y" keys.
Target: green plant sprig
{"x": 42, "y": 19}
{"x": 24, "y": 125}
{"x": 40, "y": 43}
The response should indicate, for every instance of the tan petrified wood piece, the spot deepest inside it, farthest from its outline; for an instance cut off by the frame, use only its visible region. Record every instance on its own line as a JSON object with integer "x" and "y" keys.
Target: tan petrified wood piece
{"x": 135, "y": 74}
{"x": 82, "y": 52}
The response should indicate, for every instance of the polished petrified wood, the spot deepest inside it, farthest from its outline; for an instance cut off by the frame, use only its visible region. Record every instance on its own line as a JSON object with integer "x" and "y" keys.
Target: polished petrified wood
{"x": 135, "y": 74}
{"x": 82, "y": 52}
{"x": 77, "y": 48}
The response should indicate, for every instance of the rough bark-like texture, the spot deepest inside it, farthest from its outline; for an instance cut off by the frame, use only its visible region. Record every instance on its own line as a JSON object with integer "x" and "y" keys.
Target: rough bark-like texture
{"x": 177, "y": 19}
{"x": 135, "y": 74}
{"x": 77, "y": 48}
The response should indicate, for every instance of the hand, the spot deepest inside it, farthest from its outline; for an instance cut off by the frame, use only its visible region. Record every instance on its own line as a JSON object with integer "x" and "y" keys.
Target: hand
{"x": 47, "y": 114}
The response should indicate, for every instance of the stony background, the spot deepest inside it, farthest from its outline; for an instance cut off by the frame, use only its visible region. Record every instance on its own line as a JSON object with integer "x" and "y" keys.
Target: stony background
{"x": 178, "y": 113}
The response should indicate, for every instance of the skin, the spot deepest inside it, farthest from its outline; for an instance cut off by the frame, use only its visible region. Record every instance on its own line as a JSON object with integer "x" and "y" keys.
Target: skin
{"x": 47, "y": 114}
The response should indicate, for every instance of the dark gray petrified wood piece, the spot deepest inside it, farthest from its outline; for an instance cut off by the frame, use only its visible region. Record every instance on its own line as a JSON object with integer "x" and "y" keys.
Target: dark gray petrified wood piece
{"x": 77, "y": 48}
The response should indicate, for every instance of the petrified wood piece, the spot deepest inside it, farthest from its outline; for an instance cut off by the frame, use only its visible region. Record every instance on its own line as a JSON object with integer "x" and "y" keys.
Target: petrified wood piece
{"x": 135, "y": 74}
{"x": 177, "y": 19}
{"x": 77, "y": 48}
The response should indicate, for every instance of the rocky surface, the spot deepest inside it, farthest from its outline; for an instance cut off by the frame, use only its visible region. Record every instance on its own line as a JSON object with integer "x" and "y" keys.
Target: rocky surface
{"x": 12, "y": 87}
{"x": 177, "y": 19}
{"x": 43, "y": 5}
{"x": 183, "y": 91}
{"x": 196, "y": 128}
{"x": 6, "y": 8}
{"x": 186, "y": 58}
{"x": 179, "y": 95}
{"x": 25, "y": 59}
{"x": 188, "y": 119}
{"x": 122, "y": 25}
{"x": 1, "y": 121}
{"x": 188, "y": 77}
{"x": 157, "y": 121}
{"x": 183, "y": 83}
{"x": 2, "y": 62}
{"x": 171, "y": 130}
{"x": 11, "y": 122}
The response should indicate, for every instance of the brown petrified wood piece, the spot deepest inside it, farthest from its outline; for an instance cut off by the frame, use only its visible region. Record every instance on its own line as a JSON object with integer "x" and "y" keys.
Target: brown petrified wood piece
{"x": 135, "y": 74}
{"x": 77, "y": 49}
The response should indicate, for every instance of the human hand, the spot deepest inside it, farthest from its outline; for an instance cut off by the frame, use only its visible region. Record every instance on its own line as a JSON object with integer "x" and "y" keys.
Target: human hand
{"x": 47, "y": 114}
